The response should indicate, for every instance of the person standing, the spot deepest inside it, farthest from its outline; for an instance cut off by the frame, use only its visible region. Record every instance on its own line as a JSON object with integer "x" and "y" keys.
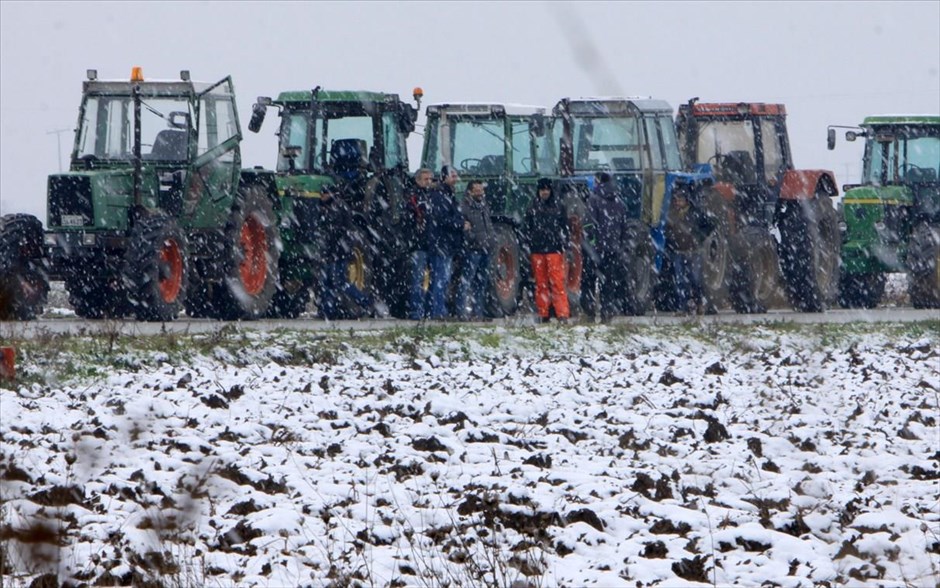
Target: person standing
{"x": 545, "y": 230}
{"x": 444, "y": 234}
{"x": 479, "y": 240}
{"x": 607, "y": 231}
{"x": 334, "y": 231}
{"x": 416, "y": 205}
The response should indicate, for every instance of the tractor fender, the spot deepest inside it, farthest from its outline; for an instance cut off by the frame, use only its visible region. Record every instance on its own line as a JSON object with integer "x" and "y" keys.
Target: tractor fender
{"x": 804, "y": 184}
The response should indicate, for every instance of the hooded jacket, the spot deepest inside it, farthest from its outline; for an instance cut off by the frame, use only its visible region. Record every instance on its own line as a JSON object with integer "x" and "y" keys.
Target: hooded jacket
{"x": 443, "y": 222}
{"x": 607, "y": 220}
{"x": 546, "y": 225}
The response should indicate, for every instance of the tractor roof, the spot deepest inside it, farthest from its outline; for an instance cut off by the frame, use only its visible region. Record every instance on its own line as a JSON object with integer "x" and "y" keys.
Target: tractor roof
{"x": 614, "y": 105}
{"x": 147, "y": 88}
{"x": 303, "y": 96}
{"x": 485, "y": 108}
{"x": 724, "y": 109}
{"x": 902, "y": 119}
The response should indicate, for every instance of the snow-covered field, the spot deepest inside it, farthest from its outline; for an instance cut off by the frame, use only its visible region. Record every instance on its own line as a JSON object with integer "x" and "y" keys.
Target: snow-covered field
{"x": 685, "y": 455}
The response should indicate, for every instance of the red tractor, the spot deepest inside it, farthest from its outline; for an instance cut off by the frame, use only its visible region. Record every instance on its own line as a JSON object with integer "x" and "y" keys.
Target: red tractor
{"x": 781, "y": 222}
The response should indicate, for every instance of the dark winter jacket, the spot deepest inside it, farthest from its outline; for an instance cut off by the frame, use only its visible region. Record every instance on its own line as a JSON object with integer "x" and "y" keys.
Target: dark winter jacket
{"x": 334, "y": 228}
{"x": 443, "y": 222}
{"x": 606, "y": 225}
{"x": 480, "y": 236}
{"x": 413, "y": 225}
{"x": 545, "y": 228}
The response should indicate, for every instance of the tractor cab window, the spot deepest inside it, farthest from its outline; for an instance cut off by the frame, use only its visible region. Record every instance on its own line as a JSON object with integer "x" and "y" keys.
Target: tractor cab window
{"x": 107, "y": 128}
{"x": 670, "y": 143}
{"x": 606, "y": 144}
{"x": 729, "y": 147}
{"x": 217, "y": 123}
{"x": 475, "y": 146}
{"x": 655, "y": 144}
{"x": 919, "y": 158}
{"x": 522, "y": 163}
{"x": 772, "y": 146}
{"x": 393, "y": 140}
{"x": 294, "y": 142}
{"x": 546, "y": 150}
{"x": 345, "y": 142}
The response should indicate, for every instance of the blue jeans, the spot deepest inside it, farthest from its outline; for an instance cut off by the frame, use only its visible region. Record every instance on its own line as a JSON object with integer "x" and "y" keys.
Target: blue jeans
{"x": 417, "y": 300}
{"x": 441, "y": 268}
{"x": 474, "y": 281}
{"x": 687, "y": 269}
{"x": 334, "y": 284}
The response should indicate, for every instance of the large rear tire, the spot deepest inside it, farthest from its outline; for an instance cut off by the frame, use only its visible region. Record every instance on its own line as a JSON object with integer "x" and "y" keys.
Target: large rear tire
{"x": 251, "y": 258}
{"x": 924, "y": 266}
{"x": 809, "y": 252}
{"x": 861, "y": 290}
{"x": 716, "y": 257}
{"x": 157, "y": 269}
{"x": 24, "y": 285}
{"x": 505, "y": 272}
{"x": 754, "y": 272}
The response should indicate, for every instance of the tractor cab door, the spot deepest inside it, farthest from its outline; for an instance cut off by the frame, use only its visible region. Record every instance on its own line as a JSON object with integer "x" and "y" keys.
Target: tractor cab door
{"x": 214, "y": 180}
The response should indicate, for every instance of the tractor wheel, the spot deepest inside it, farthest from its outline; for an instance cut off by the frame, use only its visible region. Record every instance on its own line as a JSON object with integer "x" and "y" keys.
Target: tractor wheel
{"x": 715, "y": 252}
{"x": 639, "y": 270}
{"x": 23, "y": 282}
{"x": 754, "y": 272}
{"x": 359, "y": 278}
{"x": 157, "y": 271}
{"x": 251, "y": 258}
{"x": 924, "y": 266}
{"x": 809, "y": 252}
{"x": 574, "y": 252}
{"x": 505, "y": 272}
{"x": 861, "y": 290}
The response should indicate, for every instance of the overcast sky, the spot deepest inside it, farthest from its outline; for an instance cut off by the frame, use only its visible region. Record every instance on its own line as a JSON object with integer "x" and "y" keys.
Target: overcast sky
{"x": 830, "y": 63}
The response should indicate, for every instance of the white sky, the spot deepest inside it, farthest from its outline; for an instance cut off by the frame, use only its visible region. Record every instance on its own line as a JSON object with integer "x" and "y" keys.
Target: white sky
{"x": 830, "y": 63}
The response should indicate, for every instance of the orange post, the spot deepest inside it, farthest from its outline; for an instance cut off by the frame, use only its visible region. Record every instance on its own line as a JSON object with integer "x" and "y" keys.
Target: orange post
{"x": 7, "y": 363}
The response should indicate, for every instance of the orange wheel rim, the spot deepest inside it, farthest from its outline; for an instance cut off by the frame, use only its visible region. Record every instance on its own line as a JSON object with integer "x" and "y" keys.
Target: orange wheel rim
{"x": 253, "y": 269}
{"x": 506, "y": 272}
{"x": 171, "y": 270}
{"x": 356, "y": 271}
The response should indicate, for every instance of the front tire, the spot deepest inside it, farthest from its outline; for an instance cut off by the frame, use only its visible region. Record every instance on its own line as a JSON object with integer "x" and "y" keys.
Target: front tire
{"x": 639, "y": 270}
{"x": 505, "y": 272}
{"x": 809, "y": 252}
{"x": 861, "y": 290}
{"x": 755, "y": 271}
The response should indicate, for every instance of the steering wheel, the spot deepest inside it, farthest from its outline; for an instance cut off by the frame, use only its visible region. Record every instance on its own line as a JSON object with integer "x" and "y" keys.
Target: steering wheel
{"x": 909, "y": 166}
{"x": 526, "y": 163}
{"x": 465, "y": 164}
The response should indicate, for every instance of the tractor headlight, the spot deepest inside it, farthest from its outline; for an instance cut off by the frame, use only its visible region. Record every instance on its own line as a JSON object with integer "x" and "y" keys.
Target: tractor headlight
{"x": 88, "y": 239}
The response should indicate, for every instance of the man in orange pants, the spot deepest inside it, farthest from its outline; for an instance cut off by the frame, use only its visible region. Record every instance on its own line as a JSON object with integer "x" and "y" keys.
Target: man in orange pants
{"x": 546, "y": 232}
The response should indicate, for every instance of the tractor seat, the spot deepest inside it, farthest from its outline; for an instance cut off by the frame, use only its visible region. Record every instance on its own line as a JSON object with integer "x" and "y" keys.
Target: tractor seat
{"x": 169, "y": 145}
{"x": 348, "y": 157}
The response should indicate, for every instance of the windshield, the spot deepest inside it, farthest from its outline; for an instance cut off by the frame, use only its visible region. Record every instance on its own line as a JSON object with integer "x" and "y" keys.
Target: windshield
{"x": 475, "y": 145}
{"x": 337, "y": 140}
{"x": 909, "y": 155}
{"x": 106, "y": 129}
{"x": 611, "y": 143}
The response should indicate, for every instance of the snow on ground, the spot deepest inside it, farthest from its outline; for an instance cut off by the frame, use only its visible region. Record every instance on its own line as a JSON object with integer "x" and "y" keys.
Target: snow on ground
{"x": 689, "y": 455}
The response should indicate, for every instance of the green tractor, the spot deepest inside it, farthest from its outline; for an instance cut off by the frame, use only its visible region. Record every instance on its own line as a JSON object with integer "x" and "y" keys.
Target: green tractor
{"x": 634, "y": 140}
{"x": 155, "y": 213}
{"x": 508, "y": 147}
{"x": 892, "y": 218}
{"x": 354, "y": 141}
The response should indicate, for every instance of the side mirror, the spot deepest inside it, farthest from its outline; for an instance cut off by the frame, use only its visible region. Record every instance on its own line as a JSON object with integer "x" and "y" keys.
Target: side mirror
{"x": 258, "y": 110}
{"x": 831, "y": 139}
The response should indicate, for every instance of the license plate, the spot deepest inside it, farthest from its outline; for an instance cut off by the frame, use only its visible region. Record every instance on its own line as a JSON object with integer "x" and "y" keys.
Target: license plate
{"x": 73, "y": 220}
